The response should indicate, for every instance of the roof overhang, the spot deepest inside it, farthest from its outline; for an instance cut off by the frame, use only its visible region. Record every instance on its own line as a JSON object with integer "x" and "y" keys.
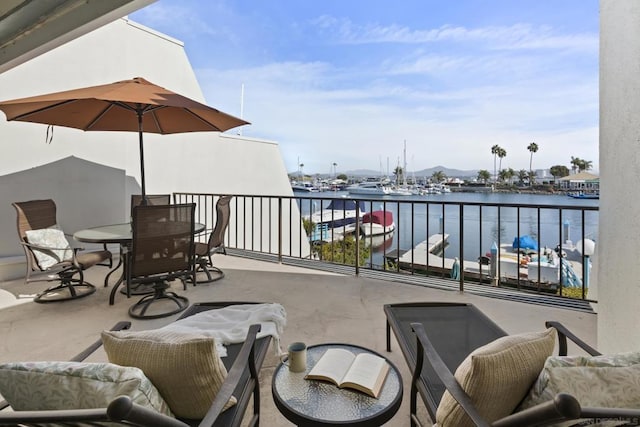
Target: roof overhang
{"x": 29, "y": 28}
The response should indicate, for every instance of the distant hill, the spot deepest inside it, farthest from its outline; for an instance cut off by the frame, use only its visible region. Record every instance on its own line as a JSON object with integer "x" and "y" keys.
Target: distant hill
{"x": 361, "y": 173}
{"x": 421, "y": 173}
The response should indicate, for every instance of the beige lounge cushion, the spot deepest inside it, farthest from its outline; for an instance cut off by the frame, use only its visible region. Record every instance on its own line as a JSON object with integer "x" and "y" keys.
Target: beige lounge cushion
{"x": 497, "y": 376}
{"x": 34, "y": 386}
{"x": 184, "y": 367}
{"x": 608, "y": 381}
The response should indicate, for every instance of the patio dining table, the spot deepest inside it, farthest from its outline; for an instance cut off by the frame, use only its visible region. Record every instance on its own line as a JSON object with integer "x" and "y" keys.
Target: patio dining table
{"x": 120, "y": 234}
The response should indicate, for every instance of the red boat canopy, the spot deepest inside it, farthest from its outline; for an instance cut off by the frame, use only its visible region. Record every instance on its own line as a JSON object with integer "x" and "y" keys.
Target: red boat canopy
{"x": 384, "y": 218}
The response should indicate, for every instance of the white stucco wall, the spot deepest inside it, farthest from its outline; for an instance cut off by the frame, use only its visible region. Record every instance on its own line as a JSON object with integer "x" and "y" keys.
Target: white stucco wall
{"x": 618, "y": 268}
{"x": 193, "y": 162}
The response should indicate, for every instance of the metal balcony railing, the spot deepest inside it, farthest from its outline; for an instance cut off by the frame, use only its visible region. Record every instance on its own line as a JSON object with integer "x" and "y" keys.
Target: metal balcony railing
{"x": 461, "y": 242}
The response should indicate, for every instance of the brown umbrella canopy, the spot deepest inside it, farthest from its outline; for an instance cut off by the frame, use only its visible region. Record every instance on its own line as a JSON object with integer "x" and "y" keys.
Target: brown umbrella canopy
{"x": 129, "y": 105}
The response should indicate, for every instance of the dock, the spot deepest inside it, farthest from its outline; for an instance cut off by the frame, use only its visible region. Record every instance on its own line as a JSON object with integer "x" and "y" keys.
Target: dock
{"x": 423, "y": 257}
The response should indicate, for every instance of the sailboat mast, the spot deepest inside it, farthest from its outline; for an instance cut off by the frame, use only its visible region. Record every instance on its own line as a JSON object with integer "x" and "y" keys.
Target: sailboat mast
{"x": 404, "y": 170}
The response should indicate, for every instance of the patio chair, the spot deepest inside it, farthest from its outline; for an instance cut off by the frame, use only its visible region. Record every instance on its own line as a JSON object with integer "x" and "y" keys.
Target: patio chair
{"x": 436, "y": 337}
{"x": 152, "y": 199}
{"x": 49, "y": 255}
{"x": 243, "y": 363}
{"x": 215, "y": 244}
{"x": 161, "y": 251}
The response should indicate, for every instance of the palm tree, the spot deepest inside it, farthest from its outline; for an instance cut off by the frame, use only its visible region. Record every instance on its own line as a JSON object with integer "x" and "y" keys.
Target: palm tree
{"x": 494, "y": 151}
{"x": 502, "y": 153}
{"x": 533, "y": 148}
{"x": 301, "y": 174}
{"x": 438, "y": 177}
{"x": 335, "y": 170}
{"x": 580, "y": 165}
{"x": 484, "y": 176}
{"x": 522, "y": 175}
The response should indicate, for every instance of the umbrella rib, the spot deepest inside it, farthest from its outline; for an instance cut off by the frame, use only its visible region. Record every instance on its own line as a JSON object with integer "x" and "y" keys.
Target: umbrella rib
{"x": 39, "y": 110}
{"x": 99, "y": 116}
{"x": 202, "y": 120}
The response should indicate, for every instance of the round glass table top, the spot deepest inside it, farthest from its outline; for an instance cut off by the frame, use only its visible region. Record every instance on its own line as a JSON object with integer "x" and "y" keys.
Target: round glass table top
{"x": 316, "y": 403}
{"x": 113, "y": 233}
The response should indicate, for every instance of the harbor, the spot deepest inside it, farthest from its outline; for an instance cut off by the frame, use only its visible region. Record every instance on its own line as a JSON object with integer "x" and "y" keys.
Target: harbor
{"x": 427, "y": 237}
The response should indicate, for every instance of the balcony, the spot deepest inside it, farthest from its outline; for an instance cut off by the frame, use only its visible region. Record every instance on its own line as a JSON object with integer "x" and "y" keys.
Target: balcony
{"x": 321, "y": 307}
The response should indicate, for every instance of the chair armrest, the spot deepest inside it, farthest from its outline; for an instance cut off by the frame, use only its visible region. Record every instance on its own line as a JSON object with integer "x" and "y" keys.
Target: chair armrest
{"x": 425, "y": 347}
{"x": 245, "y": 356}
{"x": 122, "y": 408}
{"x": 46, "y": 248}
{"x": 562, "y": 408}
{"x": 612, "y": 413}
{"x": 563, "y": 334}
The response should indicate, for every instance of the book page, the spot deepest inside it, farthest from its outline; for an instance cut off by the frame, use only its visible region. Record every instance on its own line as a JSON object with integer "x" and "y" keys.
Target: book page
{"x": 332, "y": 366}
{"x": 367, "y": 374}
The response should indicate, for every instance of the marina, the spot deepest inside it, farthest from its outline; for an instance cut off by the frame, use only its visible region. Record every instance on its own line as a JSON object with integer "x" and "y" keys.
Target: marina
{"x": 427, "y": 237}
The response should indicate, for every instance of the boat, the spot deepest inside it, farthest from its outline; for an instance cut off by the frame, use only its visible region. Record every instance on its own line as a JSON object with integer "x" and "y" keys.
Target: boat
{"x": 304, "y": 187}
{"x": 369, "y": 189}
{"x": 590, "y": 196}
{"x": 376, "y": 223}
{"x": 337, "y": 219}
{"x": 400, "y": 191}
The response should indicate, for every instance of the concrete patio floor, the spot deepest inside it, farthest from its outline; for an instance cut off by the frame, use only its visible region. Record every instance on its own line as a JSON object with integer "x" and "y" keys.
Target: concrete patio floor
{"x": 321, "y": 307}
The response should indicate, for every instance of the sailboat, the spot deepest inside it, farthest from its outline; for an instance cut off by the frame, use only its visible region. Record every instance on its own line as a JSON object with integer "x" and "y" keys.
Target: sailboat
{"x": 402, "y": 190}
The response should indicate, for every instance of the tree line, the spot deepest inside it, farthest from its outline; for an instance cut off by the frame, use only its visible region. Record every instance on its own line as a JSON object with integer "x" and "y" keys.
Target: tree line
{"x": 507, "y": 175}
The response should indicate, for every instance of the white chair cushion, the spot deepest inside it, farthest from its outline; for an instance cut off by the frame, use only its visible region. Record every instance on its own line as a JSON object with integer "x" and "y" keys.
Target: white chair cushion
{"x": 609, "y": 381}
{"x": 50, "y": 238}
{"x": 34, "y": 386}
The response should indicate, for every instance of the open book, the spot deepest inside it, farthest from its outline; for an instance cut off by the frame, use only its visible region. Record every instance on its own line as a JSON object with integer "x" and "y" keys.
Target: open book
{"x": 365, "y": 372}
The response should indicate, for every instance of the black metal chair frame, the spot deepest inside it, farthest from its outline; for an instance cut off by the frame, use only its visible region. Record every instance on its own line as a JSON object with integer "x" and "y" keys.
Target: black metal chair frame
{"x": 215, "y": 243}
{"x": 160, "y": 277}
{"x": 243, "y": 363}
{"x": 431, "y": 366}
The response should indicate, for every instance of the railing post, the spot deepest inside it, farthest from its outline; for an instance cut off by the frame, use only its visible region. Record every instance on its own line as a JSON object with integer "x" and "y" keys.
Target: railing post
{"x": 461, "y": 247}
{"x": 280, "y": 230}
{"x": 357, "y": 233}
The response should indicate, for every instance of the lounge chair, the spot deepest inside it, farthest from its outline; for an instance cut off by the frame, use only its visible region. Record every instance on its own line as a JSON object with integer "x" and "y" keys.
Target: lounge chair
{"x": 436, "y": 337}
{"x": 243, "y": 363}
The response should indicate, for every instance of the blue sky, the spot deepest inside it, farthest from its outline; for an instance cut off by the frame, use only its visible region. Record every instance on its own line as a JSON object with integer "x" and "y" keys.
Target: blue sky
{"x": 348, "y": 82}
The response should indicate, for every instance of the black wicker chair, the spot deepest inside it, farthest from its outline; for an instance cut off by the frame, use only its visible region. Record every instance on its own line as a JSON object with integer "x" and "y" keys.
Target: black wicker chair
{"x": 162, "y": 250}
{"x": 215, "y": 244}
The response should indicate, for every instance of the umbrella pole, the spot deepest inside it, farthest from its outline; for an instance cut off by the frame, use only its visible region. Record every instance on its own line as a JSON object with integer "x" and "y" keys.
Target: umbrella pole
{"x": 144, "y": 193}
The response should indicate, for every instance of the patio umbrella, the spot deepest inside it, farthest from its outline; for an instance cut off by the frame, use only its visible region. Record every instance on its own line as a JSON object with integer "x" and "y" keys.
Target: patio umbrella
{"x": 128, "y": 105}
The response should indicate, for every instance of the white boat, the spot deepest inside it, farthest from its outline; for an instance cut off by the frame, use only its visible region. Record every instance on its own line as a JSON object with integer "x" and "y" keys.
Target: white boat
{"x": 369, "y": 189}
{"x": 400, "y": 191}
{"x": 337, "y": 219}
{"x": 304, "y": 187}
{"x": 377, "y": 223}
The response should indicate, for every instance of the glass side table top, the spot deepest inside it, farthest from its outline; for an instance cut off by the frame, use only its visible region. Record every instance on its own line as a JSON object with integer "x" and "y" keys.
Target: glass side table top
{"x": 318, "y": 403}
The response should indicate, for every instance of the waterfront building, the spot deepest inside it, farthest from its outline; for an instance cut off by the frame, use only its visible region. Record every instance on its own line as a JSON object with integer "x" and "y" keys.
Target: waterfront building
{"x": 581, "y": 182}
